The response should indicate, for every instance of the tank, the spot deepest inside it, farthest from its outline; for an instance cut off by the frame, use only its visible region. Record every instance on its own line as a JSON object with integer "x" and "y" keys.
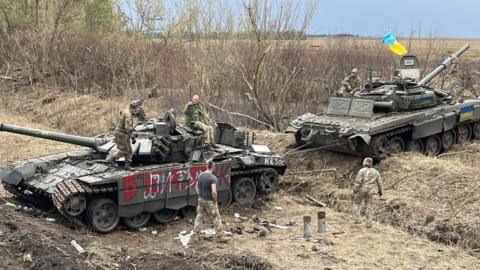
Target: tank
{"x": 162, "y": 183}
{"x": 391, "y": 117}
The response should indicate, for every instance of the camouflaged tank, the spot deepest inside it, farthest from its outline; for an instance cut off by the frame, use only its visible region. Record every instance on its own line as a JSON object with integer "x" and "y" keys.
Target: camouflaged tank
{"x": 391, "y": 117}
{"x": 168, "y": 157}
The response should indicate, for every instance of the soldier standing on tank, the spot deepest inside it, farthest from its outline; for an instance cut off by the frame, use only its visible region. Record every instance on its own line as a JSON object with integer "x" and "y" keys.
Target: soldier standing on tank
{"x": 196, "y": 116}
{"x": 367, "y": 181}
{"x": 207, "y": 208}
{"x": 123, "y": 134}
{"x": 350, "y": 85}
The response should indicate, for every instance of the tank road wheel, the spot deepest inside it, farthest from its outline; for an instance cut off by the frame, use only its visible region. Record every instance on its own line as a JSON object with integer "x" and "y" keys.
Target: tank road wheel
{"x": 102, "y": 215}
{"x": 415, "y": 146}
{"x": 267, "y": 182}
{"x": 188, "y": 211}
{"x": 448, "y": 140}
{"x": 75, "y": 204}
{"x": 396, "y": 145}
{"x": 224, "y": 204}
{"x": 380, "y": 147}
{"x": 165, "y": 215}
{"x": 464, "y": 133}
{"x": 433, "y": 145}
{"x": 137, "y": 221}
{"x": 244, "y": 190}
{"x": 476, "y": 130}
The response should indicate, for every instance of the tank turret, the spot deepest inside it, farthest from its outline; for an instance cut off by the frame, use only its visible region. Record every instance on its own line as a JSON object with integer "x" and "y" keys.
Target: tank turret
{"x": 404, "y": 93}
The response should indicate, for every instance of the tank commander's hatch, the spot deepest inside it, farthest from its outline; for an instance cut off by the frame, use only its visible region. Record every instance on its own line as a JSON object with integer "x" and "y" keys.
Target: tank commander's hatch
{"x": 356, "y": 107}
{"x": 409, "y": 68}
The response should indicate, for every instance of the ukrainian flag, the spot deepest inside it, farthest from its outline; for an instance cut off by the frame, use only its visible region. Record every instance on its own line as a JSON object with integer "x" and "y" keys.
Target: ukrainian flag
{"x": 466, "y": 113}
{"x": 393, "y": 44}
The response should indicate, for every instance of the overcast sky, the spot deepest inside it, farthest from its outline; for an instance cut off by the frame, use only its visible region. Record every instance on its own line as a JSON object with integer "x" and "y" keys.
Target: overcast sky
{"x": 443, "y": 18}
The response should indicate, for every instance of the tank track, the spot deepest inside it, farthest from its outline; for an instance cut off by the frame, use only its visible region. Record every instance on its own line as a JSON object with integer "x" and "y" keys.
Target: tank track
{"x": 69, "y": 188}
{"x": 255, "y": 173}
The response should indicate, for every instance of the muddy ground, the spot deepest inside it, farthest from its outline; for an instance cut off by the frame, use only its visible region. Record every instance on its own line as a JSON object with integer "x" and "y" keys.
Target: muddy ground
{"x": 29, "y": 241}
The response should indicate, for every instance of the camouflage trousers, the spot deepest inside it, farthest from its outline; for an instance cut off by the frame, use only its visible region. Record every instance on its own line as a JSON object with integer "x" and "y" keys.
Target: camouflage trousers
{"x": 207, "y": 131}
{"x": 363, "y": 203}
{"x": 207, "y": 211}
{"x": 344, "y": 92}
{"x": 124, "y": 146}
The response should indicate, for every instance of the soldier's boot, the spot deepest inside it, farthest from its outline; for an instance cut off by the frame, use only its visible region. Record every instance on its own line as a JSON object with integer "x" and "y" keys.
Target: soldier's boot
{"x": 128, "y": 165}
{"x": 111, "y": 161}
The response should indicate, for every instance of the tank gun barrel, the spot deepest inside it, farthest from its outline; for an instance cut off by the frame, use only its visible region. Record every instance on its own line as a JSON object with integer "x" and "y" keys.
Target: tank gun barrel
{"x": 443, "y": 66}
{"x": 55, "y": 136}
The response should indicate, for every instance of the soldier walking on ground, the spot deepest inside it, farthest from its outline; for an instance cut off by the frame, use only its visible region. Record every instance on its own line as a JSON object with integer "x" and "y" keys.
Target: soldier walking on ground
{"x": 207, "y": 208}
{"x": 196, "y": 116}
{"x": 367, "y": 181}
{"x": 123, "y": 134}
{"x": 350, "y": 85}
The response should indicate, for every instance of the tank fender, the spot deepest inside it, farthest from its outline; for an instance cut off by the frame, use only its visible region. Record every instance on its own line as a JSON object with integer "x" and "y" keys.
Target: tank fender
{"x": 450, "y": 120}
{"x": 427, "y": 128}
{"x": 291, "y": 129}
{"x": 365, "y": 137}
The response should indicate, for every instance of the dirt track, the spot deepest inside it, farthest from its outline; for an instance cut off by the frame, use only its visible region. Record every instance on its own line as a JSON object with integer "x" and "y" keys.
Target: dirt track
{"x": 30, "y": 242}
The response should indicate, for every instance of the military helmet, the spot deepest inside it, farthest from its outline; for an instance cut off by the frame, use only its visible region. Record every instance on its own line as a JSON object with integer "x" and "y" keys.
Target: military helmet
{"x": 368, "y": 161}
{"x": 355, "y": 71}
{"x": 134, "y": 104}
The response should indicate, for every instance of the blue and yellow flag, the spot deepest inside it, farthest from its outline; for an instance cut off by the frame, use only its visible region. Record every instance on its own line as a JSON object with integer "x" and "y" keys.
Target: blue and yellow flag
{"x": 466, "y": 113}
{"x": 393, "y": 44}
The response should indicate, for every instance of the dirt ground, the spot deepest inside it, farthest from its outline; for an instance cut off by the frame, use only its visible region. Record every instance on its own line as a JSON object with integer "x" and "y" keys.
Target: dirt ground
{"x": 30, "y": 241}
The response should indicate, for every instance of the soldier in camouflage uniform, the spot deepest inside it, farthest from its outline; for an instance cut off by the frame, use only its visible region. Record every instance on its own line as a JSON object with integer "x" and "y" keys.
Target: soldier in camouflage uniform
{"x": 207, "y": 208}
{"x": 140, "y": 115}
{"x": 123, "y": 134}
{"x": 367, "y": 181}
{"x": 196, "y": 116}
{"x": 350, "y": 85}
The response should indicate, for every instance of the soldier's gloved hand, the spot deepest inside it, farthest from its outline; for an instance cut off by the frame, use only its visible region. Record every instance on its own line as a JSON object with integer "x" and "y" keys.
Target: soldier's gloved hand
{"x": 134, "y": 140}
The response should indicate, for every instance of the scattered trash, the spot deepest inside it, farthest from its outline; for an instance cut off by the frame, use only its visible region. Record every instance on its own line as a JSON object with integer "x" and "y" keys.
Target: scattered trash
{"x": 240, "y": 217}
{"x": 278, "y": 208}
{"x": 10, "y": 205}
{"x": 142, "y": 229}
{"x": 185, "y": 238}
{"x": 77, "y": 247}
{"x": 154, "y": 232}
{"x": 27, "y": 257}
{"x": 50, "y": 219}
{"x": 279, "y": 226}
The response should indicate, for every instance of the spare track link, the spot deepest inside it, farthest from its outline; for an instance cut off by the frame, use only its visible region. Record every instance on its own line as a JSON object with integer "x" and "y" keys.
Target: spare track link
{"x": 69, "y": 188}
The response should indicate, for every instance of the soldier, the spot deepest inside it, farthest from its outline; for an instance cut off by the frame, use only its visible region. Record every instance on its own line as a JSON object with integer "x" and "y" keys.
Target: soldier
{"x": 350, "y": 84}
{"x": 123, "y": 134}
{"x": 367, "y": 181}
{"x": 207, "y": 208}
{"x": 140, "y": 115}
{"x": 197, "y": 117}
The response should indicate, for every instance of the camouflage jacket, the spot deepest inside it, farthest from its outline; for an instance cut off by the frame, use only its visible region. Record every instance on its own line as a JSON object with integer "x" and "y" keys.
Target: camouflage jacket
{"x": 194, "y": 113}
{"x": 368, "y": 180}
{"x": 125, "y": 122}
{"x": 352, "y": 81}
